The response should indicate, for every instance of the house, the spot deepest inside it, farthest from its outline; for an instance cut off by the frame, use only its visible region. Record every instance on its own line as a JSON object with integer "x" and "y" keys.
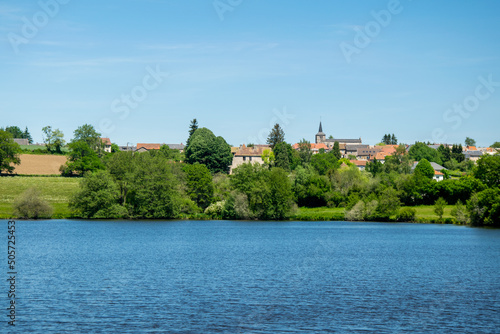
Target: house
{"x": 361, "y": 164}
{"x": 438, "y": 176}
{"x": 315, "y": 148}
{"x": 473, "y": 155}
{"x": 127, "y": 148}
{"x": 142, "y": 147}
{"x": 248, "y": 155}
{"x": 106, "y": 143}
{"x": 21, "y": 141}
{"x": 352, "y": 149}
{"x": 367, "y": 153}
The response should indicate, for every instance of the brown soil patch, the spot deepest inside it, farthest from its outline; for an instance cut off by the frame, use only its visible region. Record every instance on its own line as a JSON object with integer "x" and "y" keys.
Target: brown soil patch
{"x": 39, "y": 164}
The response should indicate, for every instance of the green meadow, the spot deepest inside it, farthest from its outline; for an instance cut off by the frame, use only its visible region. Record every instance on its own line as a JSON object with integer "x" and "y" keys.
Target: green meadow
{"x": 55, "y": 190}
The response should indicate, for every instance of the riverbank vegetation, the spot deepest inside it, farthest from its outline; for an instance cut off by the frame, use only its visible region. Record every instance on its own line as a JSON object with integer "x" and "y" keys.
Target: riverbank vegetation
{"x": 291, "y": 184}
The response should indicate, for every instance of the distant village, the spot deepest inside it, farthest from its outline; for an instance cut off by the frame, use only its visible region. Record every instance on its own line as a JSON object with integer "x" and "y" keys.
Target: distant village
{"x": 354, "y": 150}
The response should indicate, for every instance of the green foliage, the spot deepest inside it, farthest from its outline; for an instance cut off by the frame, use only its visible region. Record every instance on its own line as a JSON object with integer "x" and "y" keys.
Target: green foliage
{"x": 488, "y": 170}
{"x": 457, "y": 153}
{"x": 98, "y": 197}
{"x": 156, "y": 189}
{"x": 388, "y": 203}
{"x": 399, "y": 161}
{"x": 269, "y": 192}
{"x": 15, "y": 131}
{"x": 389, "y": 140}
{"x": 374, "y": 167}
{"x": 121, "y": 167}
{"x": 454, "y": 190}
{"x": 168, "y": 153}
{"x": 310, "y": 189}
{"x": 406, "y": 214}
{"x": 115, "y": 148}
{"x": 424, "y": 168}
{"x": 305, "y": 152}
{"x": 8, "y": 152}
{"x": 31, "y": 206}
{"x": 81, "y": 159}
{"x": 282, "y": 156}
{"x": 53, "y": 139}
{"x": 192, "y": 129}
{"x": 215, "y": 210}
{"x": 460, "y": 213}
{"x": 88, "y": 134}
{"x": 470, "y": 142}
{"x": 484, "y": 208}
{"x": 324, "y": 162}
{"x": 421, "y": 151}
{"x": 439, "y": 207}
{"x": 199, "y": 184}
{"x": 276, "y": 136}
{"x": 204, "y": 148}
{"x": 336, "y": 150}
{"x": 495, "y": 144}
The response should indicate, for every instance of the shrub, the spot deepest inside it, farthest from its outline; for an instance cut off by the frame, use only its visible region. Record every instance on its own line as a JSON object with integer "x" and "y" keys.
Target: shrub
{"x": 29, "y": 205}
{"x": 407, "y": 215}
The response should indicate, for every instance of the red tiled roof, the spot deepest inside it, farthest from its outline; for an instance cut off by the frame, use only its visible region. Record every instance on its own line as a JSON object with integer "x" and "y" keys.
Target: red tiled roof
{"x": 255, "y": 151}
{"x": 106, "y": 141}
{"x": 149, "y": 146}
{"x": 437, "y": 173}
{"x": 359, "y": 162}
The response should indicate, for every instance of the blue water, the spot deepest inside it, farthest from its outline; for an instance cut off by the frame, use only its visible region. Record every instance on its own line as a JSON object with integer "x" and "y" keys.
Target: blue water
{"x": 253, "y": 277}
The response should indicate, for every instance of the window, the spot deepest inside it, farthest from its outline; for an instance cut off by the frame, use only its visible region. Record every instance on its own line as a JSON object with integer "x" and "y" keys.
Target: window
{"x": 250, "y": 158}
{"x": 244, "y": 158}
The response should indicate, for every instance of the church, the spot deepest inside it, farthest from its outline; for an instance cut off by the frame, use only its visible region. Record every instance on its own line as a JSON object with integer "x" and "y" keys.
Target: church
{"x": 321, "y": 138}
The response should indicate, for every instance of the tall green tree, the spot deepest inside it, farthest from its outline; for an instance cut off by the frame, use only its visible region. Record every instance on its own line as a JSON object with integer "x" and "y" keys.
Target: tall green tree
{"x": 276, "y": 136}
{"x": 9, "y": 152}
{"x": 88, "y": 134}
{"x": 488, "y": 170}
{"x": 439, "y": 206}
{"x": 421, "y": 151}
{"x": 81, "y": 159}
{"x": 15, "y": 131}
{"x": 207, "y": 149}
{"x": 305, "y": 152}
{"x": 199, "y": 184}
{"x": 192, "y": 128}
{"x": 336, "y": 150}
{"x": 470, "y": 142}
{"x": 495, "y": 144}
{"x": 281, "y": 154}
{"x": 27, "y": 135}
{"x": 457, "y": 153}
{"x": 98, "y": 197}
{"x": 53, "y": 139}
{"x": 424, "y": 168}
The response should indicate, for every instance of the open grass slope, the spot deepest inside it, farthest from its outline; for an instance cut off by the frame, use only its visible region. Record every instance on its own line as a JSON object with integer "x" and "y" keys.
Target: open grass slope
{"x": 55, "y": 190}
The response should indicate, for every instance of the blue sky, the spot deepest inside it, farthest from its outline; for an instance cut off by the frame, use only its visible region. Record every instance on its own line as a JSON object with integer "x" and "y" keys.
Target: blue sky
{"x": 140, "y": 70}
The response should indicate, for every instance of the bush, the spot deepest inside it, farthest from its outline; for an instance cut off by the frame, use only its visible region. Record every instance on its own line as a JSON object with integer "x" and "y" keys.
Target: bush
{"x": 406, "y": 215}
{"x": 215, "y": 210}
{"x": 29, "y": 205}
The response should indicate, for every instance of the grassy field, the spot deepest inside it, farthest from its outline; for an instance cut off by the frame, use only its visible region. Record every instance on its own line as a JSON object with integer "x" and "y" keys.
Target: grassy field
{"x": 56, "y": 190}
{"x": 424, "y": 213}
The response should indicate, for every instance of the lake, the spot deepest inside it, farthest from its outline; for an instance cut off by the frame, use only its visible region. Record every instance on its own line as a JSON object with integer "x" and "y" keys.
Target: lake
{"x": 253, "y": 277}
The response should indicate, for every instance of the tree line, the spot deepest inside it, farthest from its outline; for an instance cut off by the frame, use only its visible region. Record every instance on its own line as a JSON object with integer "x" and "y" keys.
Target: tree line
{"x": 166, "y": 183}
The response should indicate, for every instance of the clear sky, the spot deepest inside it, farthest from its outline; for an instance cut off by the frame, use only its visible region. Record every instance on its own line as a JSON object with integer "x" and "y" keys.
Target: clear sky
{"x": 140, "y": 70}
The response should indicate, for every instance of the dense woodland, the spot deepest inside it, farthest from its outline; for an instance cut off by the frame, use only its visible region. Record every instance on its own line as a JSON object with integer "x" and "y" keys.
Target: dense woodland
{"x": 168, "y": 184}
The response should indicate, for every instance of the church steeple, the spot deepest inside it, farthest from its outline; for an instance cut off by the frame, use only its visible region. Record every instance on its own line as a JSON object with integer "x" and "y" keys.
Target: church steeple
{"x": 320, "y": 136}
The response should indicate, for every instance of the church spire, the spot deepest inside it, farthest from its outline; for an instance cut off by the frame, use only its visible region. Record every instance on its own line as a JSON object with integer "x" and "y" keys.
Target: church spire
{"x": 320, "y": 127}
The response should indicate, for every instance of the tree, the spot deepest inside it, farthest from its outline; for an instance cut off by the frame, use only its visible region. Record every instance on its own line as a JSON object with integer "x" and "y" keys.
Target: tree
{"x": 27, "y": 135}
{"x": 30, "y": 205}
{"x": 98, "y": 197}
{"x": 495, "y": 144}
{"x": 460, "y": 213}
{"x": 323, "y": 162}
{"x": 470, "y": 142}
{"x": 276, "y": 136}
{"x": 282, "y": 158}
{"x": 192, "y": 129}
{"x": 374, "y": 167}
{"x": 444, "y": 153}
{"x": 484, "y": 208}
{"x": 199, "y": 184}
{"x": 389, "y": 139}
{"x": 207, "y": 149}
{"x": 15, "y": 131}
{"x": 424, "y": 168}
{"x": 81, "y": 159}
{"x": 421, "y": 151}
{"x": 488, "y": 170}
{"x": 89, "y": 135}
{"x": 457, "y": 153}
{"x": 305, "y": 152}
{"x": 336, "y": 150}
{"x": 121, "y": 167}
{"x": 439, "y": 206}
{"x": 53, "y": 139}
{"x": 9, "y": 152}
